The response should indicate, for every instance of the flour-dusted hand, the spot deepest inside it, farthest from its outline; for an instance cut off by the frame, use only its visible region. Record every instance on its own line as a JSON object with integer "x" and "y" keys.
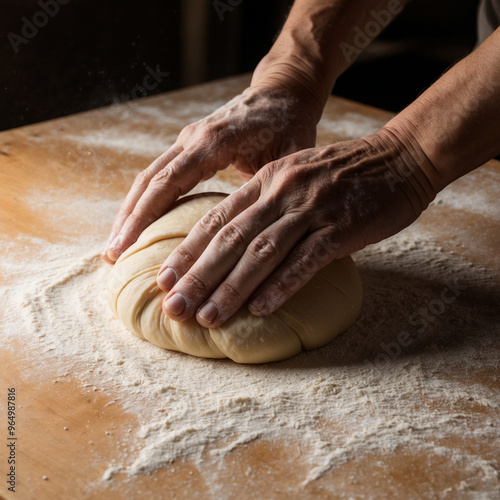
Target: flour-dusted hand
{"x": 266, "y": 240}
{"x": 254, "y": 128}
{"x": 295, "y": 216}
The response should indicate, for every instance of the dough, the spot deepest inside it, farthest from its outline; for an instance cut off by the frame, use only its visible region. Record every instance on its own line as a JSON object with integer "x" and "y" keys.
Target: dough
{"x": 327, "y": 305}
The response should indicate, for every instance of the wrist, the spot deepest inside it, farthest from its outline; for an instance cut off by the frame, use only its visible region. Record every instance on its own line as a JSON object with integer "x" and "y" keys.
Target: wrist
{"x": 409, "y": 170}
{"x": 455, "y": 122}
{"x": 286, "y": 74}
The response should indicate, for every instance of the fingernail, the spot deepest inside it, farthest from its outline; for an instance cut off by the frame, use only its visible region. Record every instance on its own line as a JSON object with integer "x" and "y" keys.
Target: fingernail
{"x": 167, "y": 278}
{"x": 208, "y": 312}
{"x": 116, "y": 244}
{"x": 176, "y": 304}
{"x": 257, "y": 305}
{"x": 105, "y": 258}
{"x": 104, "y": 254}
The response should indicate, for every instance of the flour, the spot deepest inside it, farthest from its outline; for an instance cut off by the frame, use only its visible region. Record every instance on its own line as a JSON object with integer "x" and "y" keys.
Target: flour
{"x": 467, "y": 194}
{"x": 349, "y": 126}
{"x": 146, "y": 145}
{"x": 55, "y": 305}
{"x": 408, "y": 373}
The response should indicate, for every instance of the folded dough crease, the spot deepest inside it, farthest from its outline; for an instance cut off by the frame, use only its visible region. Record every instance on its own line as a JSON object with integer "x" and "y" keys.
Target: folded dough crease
{"x": 326, "y": 306}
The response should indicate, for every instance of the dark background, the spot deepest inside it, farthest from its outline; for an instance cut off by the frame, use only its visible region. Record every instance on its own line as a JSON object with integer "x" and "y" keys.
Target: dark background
{"x": 93, "y": 53}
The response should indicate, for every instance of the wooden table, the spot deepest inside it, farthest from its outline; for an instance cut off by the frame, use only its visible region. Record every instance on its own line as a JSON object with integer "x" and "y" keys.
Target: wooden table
{"x": 46, "y": 156}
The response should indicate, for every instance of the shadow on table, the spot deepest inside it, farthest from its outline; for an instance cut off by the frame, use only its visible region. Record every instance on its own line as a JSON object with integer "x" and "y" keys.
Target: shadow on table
{"x": 407, "y": 316}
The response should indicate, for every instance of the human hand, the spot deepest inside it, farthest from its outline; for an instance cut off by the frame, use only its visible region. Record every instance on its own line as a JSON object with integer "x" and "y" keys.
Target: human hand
{"x": 295, "y": 216}
{"x": 253, "y": 129}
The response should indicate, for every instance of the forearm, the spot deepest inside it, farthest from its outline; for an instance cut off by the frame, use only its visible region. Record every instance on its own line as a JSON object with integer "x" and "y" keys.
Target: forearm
{"x": 319, "y": 40}
{"x": 455, "y": 124}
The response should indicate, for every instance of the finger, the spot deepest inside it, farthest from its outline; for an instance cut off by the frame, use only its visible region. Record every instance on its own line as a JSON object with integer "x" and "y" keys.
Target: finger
{"x": 262, "y": 257}
{"x": 216, "y": 262}
{"x": 140, "y": 185}
{"x": 174, "y": 180}
{"x": 189, "y": 251}
{"x": 308, "y": 257}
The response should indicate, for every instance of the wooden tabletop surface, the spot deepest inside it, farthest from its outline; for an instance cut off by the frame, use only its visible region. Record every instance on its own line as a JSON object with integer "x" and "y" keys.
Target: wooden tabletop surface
{"x": 68, "y": 155}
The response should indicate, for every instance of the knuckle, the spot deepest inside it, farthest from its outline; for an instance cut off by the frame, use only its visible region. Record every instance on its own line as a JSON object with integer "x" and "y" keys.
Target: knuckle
{"x": 269, "y": 203}
{"x": 166, "y": 179}
{"x": 230, "y": 293}
{"x": 142, "y": 179}
{"x": 304, "y": 263}
{"x": 188, "y": 130}
{"x": 194, "y": 283}
{"x": 233, "y": 239}
{"x": 326, "y": 246}
{"x": 207, "y": 134}
{"x": 291, "y": 175}
{"x": 269, "y": 172}
{"x": 164, "y": 176}
{"x": 285, "y": 284}
{"x": 183, "y": 254}
{"x": 213, "y": 221}
{"x": 264, "y": 250}
{"x": 278, "y": 286}
{"x": 286, "y": 180}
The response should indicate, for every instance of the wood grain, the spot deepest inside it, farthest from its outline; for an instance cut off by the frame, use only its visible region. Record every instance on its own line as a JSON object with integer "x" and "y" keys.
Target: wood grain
{"x": 43, "y": 157}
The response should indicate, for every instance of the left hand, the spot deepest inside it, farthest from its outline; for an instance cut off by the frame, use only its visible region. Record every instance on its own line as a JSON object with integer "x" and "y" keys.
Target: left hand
{"x": 296, "y": 215}
{"x": 260, "y": 125}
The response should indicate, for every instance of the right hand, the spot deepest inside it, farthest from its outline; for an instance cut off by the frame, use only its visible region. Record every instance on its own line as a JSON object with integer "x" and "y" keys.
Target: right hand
{"x": 266, "y": 240}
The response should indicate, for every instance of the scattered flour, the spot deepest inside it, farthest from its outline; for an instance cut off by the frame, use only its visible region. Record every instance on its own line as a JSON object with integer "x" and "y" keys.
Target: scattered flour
{"x": 468, "y": 194}
{"x": 349, "y": 126}
{"x": 134, "y": 143}
{"x": 409, "y": 372}
{"x": 55, "y": 305}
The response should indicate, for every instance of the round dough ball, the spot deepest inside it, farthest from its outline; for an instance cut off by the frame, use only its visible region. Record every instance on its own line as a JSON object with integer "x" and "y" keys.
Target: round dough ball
{"x": 327, "y": 305}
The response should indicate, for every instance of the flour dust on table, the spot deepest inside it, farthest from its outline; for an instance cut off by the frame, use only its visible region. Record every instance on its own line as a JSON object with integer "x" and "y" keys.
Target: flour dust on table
{"x": 416, "y": 325}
